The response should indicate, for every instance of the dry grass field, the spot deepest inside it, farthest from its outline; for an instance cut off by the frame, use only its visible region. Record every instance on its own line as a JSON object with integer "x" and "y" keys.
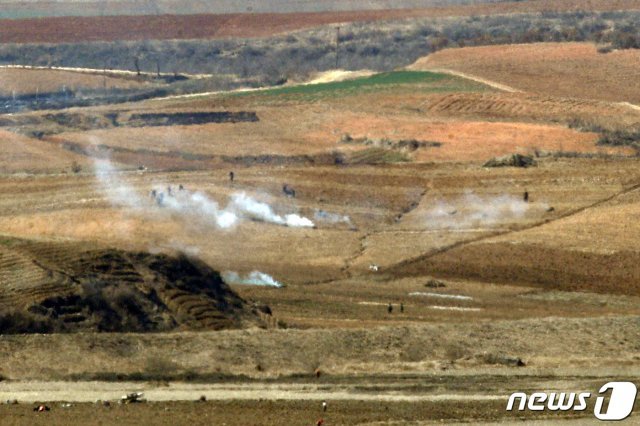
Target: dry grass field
{"x": 470, "y": 121}
{"x": 24, "y": 155}
{"x": 17, "y": 81}
{"x": 570, "y": 70}
{"x": 490, "y": 293}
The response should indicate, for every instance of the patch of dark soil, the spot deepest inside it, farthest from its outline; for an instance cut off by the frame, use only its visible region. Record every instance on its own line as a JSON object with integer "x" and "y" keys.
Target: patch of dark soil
{"x": 405, "y": 145}
{"x": 190, "y": 118}
{"x": 79, "y": 121}
{"x": 533, "y": 265}
{"x": 318, "y": 159}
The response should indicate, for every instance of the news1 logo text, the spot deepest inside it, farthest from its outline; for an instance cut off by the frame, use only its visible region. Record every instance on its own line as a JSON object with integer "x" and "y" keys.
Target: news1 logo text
{"x": 621, "y": 397}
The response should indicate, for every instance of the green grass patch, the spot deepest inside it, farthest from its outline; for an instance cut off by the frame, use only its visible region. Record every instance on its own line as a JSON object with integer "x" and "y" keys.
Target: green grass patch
{"x": 421, "y": 81}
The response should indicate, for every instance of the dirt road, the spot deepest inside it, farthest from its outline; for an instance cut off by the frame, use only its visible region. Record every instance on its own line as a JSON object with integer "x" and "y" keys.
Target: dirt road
{"x": 384, "y": 400}
{"x": 92, "y": 391}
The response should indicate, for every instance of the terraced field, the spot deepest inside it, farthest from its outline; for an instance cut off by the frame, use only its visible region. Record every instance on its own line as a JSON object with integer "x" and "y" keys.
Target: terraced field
{"x": 62, "y": 287}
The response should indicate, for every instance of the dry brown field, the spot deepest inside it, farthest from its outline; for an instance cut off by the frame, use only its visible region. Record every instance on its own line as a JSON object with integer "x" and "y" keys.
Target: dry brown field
{"x": 570, "y": 70}
{"x": 18, "y": 81}
{"x": 21, "y": 154}
{"x": 553, "y": 282}
{"x": 111, "y": 28}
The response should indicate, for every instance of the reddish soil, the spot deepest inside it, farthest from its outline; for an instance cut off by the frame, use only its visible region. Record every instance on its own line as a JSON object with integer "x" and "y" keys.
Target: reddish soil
{"x": 110, "y": 28}
{"x": 574, "y": 70}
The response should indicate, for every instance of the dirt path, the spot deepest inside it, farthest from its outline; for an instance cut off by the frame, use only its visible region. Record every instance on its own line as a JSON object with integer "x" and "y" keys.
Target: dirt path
{"x": 92, "y": 391}
{"x": 630, "y": 105}
{"x": 109, "y": 72}
{"x": 485, "y": 234}
{"x": 400, "y": 266}
{"x": 477, "y": 79}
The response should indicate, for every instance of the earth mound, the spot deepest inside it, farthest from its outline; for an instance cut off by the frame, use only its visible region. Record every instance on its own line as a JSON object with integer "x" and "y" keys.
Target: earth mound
{"x": 513, "y": 160}
{"x": 73, "y": 289}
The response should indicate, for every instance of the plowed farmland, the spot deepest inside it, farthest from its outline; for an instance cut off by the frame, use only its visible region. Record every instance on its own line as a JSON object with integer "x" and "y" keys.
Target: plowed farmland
{"x": 571, "y": 70}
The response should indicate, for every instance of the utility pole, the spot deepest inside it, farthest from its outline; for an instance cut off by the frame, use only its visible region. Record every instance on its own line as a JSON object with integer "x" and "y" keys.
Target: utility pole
{"x": 104, "y": 77}
{"x": 337, "y": 46}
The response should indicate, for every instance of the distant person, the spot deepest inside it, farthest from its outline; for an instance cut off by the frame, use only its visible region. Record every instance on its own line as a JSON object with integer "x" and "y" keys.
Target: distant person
{"x": 231, "y": 176}
{"x": 169, "y": 190}
{"x": 390, "y": 308}
{"x": 324, "y": 405}
{"x": 526, "y": 196}
{"x": 401, "y": 308}
{"x": 288, "y": 191}
{"x": 180, "y": 188}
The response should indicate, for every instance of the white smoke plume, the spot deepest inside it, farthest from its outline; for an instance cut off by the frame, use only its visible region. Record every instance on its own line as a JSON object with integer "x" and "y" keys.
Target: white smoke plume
{"x": 254, "y": 278}
{"x": 116, "y": 191}
{"x": 198, "y": 206}
{"x": 333, "y": 218}
{"x": 194, "y": 205}
{"x": 472, "y": 210}
{"x": 257, "y": 210}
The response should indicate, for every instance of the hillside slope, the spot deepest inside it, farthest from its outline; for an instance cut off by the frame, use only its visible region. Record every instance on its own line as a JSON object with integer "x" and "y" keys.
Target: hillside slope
{"x": 573, "y": 70}
{"x": 67, "y": 287}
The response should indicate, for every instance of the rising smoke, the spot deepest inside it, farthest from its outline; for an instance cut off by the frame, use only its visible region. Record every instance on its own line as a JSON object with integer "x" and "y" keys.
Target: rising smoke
{"x": 333, "y": 218}
{"x": 254, "y": 278}
{"x": 253, "y": 209}
{"x": 192, "y": 205}
{"x": 196, "y": 205}
{"x": 118, "y": 193}
{"x": 472, "y": 210}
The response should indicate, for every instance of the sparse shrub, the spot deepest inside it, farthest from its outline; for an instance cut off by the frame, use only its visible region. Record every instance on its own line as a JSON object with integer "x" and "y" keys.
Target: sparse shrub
{"x": 282, "y": 325}
{"x": 513, "y": 160}
{"x": 454, "y": 352}
{"x": 585, "y": 126}
{"x": 621, "y": 138}
{"x": 511, "y": 361}
{"x": 75, "y": 167}
{"x": 433, "y": 283}
{"x": 21, "y": 322}
{"x": 159, "y": 368}
{"x": 605, "y": 49}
